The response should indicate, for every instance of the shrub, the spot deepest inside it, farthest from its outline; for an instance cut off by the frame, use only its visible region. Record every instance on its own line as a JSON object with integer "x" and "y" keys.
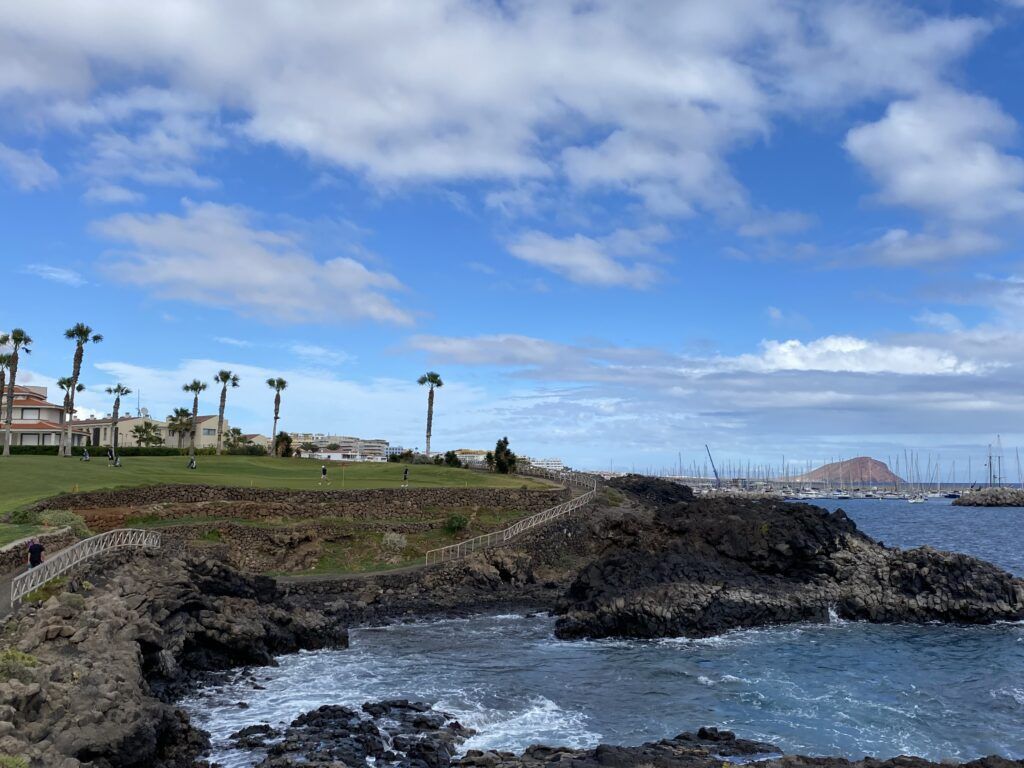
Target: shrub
{"x": 456, "y": 523}
{"x": 14, "y": 663}
{"x": 62, "y": 517}
{"x": 48, "y": 590}
{"x": 12, "y": 761}
{"x": 394, "y": 542}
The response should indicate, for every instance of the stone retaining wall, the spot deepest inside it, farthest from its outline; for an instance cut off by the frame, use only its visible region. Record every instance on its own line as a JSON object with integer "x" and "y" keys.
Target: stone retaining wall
{"x": 174, "y": 501}
{"x": 15, "y": 555}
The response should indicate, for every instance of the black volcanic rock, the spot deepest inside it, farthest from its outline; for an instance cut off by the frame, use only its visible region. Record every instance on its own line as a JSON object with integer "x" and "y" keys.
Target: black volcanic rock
{"x": 706, "y": 566}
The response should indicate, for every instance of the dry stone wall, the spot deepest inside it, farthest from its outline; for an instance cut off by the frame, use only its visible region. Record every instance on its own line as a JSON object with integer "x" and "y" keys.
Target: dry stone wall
{"x": 14, "y": 556}
{"x": 110, "y": 509}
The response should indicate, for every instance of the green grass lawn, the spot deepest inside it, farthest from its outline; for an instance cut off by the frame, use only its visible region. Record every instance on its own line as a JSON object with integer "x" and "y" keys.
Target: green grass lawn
{"x": 12, "y": 532}
{"x": 26, "y": 479}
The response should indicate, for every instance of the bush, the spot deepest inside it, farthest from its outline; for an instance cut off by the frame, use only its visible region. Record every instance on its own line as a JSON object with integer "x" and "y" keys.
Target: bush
{"x": 14, "y": 663}
{"x": 394, "y": 542}
{"x": 456, "y": 523}
{"x": 57, "y": 518}
{"x": 11, "y": 761}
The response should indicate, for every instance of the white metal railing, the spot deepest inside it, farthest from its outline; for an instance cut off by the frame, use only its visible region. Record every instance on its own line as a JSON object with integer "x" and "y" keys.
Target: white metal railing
{"x": 464, "y": 548}
{"x": 71, "y": 556}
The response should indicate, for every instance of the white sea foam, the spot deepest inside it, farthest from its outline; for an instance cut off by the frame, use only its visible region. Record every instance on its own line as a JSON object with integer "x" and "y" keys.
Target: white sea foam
{"x": 540, "y": 720}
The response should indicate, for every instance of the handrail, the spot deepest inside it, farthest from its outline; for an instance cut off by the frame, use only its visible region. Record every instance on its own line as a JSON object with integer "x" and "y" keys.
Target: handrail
{"x": 484, "y": 541}
{"x": 71, "y": 556}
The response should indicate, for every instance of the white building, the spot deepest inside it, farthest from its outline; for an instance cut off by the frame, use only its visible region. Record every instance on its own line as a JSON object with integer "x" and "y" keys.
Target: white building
{"x": 554, "y": 465}
{"x": 35, "y": 421}
{"x": 348, "y": 448}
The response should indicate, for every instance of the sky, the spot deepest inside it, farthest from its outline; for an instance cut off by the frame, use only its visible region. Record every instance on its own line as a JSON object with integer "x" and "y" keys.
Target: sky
{"x": 619, "y": 231}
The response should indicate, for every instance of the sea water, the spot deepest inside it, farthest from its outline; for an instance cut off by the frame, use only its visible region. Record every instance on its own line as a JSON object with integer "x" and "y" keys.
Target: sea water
{"x": 843, "y": 688}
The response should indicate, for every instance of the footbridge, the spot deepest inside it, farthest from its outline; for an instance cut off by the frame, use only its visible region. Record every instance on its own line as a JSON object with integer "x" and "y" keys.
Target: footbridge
{"x": 67, "y": 558}
{"x": 585, "y": 485}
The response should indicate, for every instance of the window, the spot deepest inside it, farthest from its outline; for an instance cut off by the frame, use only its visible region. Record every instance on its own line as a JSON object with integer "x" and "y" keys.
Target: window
{"x": 209, "y": 432}
{"x": 30, "y": 414}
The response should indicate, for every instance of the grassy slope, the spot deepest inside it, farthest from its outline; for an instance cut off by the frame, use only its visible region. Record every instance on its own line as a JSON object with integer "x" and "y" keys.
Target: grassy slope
{"x": 26, "y": 479}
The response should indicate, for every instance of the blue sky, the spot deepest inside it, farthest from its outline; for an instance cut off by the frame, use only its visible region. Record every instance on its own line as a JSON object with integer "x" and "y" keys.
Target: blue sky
{"x": 779, "y": 228}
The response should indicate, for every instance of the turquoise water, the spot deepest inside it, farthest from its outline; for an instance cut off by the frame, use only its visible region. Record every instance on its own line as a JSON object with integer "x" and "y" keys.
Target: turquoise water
{"x": 847, "y": 689}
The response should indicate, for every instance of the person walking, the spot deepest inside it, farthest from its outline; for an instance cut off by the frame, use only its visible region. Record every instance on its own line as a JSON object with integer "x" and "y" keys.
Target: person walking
{"x": 323, "y": 475}
{"x": 85, "y": 455}
{"x": 192, "y": 462}
{"x": 110, "y": 456}
{"x": 405, "y": 478}
{"x": 35, "y": 553}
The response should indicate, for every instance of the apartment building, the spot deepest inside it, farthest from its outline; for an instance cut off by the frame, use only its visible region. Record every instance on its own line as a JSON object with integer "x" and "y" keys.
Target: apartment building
{"x": 351, "y": 449}
{"x": 101, "y": 431}
{"x": 35, "y": 420}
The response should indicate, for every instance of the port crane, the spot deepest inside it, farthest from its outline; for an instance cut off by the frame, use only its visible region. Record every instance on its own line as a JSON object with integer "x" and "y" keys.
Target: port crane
{"x": 718, "y": 480}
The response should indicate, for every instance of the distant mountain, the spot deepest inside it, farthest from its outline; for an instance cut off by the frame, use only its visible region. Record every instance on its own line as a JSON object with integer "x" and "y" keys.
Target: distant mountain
{"x": 860, "y": 471}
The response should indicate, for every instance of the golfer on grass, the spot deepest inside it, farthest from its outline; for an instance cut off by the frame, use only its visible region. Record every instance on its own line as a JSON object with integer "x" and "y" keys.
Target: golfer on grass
{"x": 323, "y": 475}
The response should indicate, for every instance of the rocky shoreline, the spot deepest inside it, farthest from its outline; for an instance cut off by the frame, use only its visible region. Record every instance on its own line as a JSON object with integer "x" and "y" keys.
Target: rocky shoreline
{"x": 90, "y": 675}
{"x": 991, "y": 497}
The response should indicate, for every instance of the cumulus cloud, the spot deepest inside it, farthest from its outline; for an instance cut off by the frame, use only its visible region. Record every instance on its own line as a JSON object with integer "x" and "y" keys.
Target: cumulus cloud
{"x": 594, "y": 95}
{"x": 112, "y": 193}
{"x": 941, "y": 153}
{"x": 215, "y": 255}
{"x": 850, "y": 354}
{"x": 27, "y": 170}
{"x": 56, "y": 274}
{"x": 606, "y": 261}
{"x": 898, "y": 247}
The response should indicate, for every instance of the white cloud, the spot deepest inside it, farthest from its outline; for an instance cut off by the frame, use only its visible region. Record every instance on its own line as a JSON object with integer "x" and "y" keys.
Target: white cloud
{"x": 589, "y": 261}
{"x": 898, "y": 247}
{"x": 112, "y": 193}
{"x": 593, "y": 94}
{"x": 943, "y": 321}
{"x": 497, "y": 349}
{"x": 852, "y": 355}
{"x": 231, "y": 342}
{"x": 314, "y": 353}
{"x": 214, "y": 255}
{"x": 28, "y": 170}
{"x": 56, "y": 274}
{"x": 940, "y": 153}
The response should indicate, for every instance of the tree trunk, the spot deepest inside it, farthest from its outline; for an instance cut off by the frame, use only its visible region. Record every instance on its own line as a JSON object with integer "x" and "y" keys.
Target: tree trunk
{"x": 273, "y": 434}
{"x": 220, "y": 417}
{"x": 3, "y": 383}
{"x": 192, "y": 433}
{"x": 75, "y": 372}
{"x": 60, "y": 449}
{"x": 430, "y": 416}
{"x": 9, "y": 416}
{"x": 113, "y": 419}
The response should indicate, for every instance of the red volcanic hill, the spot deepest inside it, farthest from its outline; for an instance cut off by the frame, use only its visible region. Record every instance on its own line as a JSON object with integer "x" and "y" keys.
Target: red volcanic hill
{"x": 860, "y": 471}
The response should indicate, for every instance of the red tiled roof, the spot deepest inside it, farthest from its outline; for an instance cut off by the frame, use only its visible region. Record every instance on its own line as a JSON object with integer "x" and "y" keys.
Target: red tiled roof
{"x": 41, "y": 426}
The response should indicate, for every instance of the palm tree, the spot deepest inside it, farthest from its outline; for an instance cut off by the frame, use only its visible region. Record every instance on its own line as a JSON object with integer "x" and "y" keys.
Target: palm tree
{"x": 5, "y": 363}
{"x": 118, "y": 391}
{"x": 434, "y": 380}
{"x": 195, "y": 387}
{"x": 18, "y": 341}
{"x": 147, "y": 434}
{"x": 277, "y": 385}
{"x": 179, "y": 423}
{"x": 67, "y": 385}
{"x": 225, "y": 379}
{"x": 81, "y": 334}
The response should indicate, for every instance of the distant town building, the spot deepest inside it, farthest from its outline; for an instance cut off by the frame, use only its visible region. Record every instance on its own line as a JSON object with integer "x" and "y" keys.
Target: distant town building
{"x": 394, "y": 450}
{"x": 35, "y": 421}
{"x": 101, "y": 431}
{"x": 554, "y": 465}
{"x": 347, "y": 448}
{"x": 471, "y": 457}
{"x": 257, "y": 439}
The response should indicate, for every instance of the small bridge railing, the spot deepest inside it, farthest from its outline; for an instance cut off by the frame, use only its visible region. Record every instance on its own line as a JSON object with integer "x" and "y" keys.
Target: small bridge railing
{"x": 497, "y": 538}
{"x": 69, "y": 557}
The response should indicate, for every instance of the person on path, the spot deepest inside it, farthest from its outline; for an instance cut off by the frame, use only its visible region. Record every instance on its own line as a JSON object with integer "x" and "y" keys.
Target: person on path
{"x": 323, "y": 475}
{"x": 405, "y": 478}
{"x": 191, "y": 462}
{"x": 110, "y": 456}
{"x": 85, "y": 455}
{"x": 35, "y": 553}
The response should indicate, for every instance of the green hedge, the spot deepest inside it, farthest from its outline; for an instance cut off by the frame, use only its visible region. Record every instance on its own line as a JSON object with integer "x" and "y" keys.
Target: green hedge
{"x": 99, "y": 451}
